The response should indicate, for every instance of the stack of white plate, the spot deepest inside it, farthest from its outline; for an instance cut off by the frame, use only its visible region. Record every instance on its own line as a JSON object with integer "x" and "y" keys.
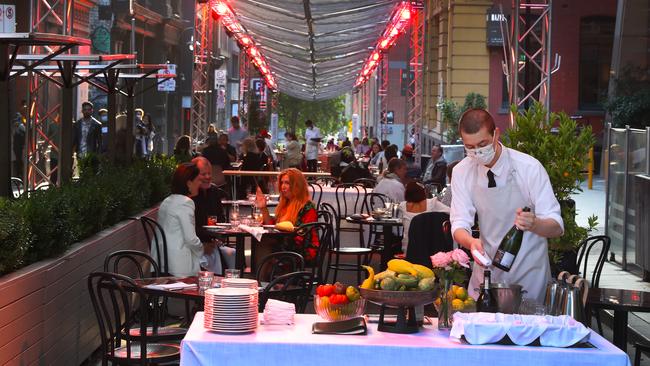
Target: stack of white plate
{"x": 239, "y": 283}
{"x": 231, "y": 310}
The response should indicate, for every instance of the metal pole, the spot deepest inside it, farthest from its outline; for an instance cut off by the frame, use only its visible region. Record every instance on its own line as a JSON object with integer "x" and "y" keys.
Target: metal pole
{"x": 65, "y": 17}
{"x": 625, "y": 181}
{"x": 5, "y": 133}
{"x": 647, "y": 150}
{"x": 608, "y": 133}
{"x": 111, "y": 101}
{"x": 549, "y": 66}
{"x": 130, "y": 116}
{"x": 65, "y": 147}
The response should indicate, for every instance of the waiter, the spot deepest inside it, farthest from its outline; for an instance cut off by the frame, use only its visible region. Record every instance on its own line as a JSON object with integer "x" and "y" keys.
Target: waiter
{"x": 312, "y": 141}
{"x": 495, "y": 183}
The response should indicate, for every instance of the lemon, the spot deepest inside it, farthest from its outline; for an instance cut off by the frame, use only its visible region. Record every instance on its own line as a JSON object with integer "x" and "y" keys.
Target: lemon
{"x": 457, "y": 304}
{"x": 461, "y": 293}
{"x": 437, "y": 302}
{"x": 469, "y": 303}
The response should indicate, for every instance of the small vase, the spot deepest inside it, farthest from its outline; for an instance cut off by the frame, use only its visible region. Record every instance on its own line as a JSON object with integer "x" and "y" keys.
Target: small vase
{"x": 445, "y": 319}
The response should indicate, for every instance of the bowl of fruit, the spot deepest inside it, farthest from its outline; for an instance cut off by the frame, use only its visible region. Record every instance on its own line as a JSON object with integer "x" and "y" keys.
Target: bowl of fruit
{"x": 403, "y": 284}
{"x": 338, "y": 302}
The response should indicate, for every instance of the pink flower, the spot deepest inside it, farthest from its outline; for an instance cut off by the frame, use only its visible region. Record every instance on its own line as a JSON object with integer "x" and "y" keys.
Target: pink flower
{"x": 461, "y": 257}
{"x": 441, "y": 259}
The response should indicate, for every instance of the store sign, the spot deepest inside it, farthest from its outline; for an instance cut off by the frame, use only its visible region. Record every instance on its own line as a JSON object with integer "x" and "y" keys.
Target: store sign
{"x": 168, "y": 85}
{"x": 220, "y": 78}
{"x": 259, "y": 89}
{"x": 417, "y": 4}
{"x": 495, "y": 19}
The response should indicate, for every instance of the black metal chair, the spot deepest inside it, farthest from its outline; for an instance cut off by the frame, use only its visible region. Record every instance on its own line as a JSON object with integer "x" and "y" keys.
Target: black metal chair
{"x": 277, "y": 264}
{"x": 145, "y": 266}
{"x": 427, "y": 237}
{"x": 639, "y": 348}
{"x": 582, "y": 264}
{"x": 371, "y": 202}
{"x": 325, "y": 181}
{"x": 316, "y": 192}
{"x": 346, "y": 207}
{"x": 115, "y": 299}
{"x": 366, "y": 182}
{"x": 155, "y": 235}
{"x": 334, "y": 253}
{"x": 292, "y": 287}
{"x": 321, "y": 231}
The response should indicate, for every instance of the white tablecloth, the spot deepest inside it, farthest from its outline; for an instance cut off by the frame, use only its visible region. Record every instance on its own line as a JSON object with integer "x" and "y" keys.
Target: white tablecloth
{"x": 348, "y": 239}
{"x": 296, "y": 345}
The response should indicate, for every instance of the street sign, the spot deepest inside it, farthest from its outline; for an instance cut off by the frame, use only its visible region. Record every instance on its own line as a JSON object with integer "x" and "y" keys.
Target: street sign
{"x": 220, "y": 78}
{"x": 7, "y": 18}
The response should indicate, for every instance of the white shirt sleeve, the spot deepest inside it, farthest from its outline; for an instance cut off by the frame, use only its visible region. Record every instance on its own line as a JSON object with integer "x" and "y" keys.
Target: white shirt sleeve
{"x": 462, "y": 209}
{"x": 188, "y": 230}
{"x": 541, "y": 194}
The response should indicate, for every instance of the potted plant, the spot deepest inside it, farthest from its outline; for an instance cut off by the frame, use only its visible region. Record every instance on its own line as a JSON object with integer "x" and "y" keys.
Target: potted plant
{"x": 562, "y": 148}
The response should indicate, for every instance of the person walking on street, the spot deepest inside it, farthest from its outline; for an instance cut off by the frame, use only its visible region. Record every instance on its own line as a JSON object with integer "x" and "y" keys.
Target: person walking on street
{"x": 87, "y": 132}
{"x": 236, "y": 133}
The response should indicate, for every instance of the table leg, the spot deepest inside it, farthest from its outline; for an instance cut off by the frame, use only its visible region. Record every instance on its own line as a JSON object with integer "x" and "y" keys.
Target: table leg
{"x": 620, "y": 329}
{"x": 240, "y": 255}
{"x": 387, "y": 253}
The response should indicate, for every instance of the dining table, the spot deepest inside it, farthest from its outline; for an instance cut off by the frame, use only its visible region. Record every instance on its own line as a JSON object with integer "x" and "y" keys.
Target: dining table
{"x": 621, "y": 302}
{"x": 387, "y": 224}
{"x": 295, "y": 344}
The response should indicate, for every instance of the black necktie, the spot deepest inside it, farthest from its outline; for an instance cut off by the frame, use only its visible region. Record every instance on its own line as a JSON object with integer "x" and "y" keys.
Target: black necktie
{"x": 491, "y": 182}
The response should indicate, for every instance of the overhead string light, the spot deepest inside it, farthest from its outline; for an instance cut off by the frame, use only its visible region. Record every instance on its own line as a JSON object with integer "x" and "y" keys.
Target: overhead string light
{"x": 399, "y": 21}
{"x": 221, "y": 10}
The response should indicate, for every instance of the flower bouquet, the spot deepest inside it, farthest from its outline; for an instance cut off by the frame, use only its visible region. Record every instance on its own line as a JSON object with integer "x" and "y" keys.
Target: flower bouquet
{"x": 449, "y": 267}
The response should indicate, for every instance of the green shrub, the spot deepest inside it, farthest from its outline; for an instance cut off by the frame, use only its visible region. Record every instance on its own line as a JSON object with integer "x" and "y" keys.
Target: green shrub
{"x": 47, "y": 223}
{"x": 452, "y": 111}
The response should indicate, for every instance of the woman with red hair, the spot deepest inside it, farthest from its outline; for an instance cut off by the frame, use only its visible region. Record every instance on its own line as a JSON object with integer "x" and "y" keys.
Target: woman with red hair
{"x": 295, "y": 206}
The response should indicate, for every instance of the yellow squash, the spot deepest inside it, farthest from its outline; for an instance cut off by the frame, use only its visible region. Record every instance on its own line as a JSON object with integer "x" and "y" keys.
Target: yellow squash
{"x": 369, "y": 282}
{"x": 402, "y": 266}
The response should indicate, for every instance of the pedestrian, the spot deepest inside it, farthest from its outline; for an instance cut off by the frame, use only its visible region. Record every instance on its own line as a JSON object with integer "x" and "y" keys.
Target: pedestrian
{"x": 236, "y": 133}
{"x": 312, "y": 140}
{"x": 87, "y": 132}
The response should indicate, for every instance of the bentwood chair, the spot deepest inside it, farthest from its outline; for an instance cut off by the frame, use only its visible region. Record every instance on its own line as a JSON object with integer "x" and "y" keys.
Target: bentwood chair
{"x": 335, "y": 253}
{"x": 144, "y": 266}
{"x": 366, "y": 182}
{"x": 277, "y": 264}
{"x": 317, "y": 235}
{"x": 294, "y": 287}
{"x": 594, "y": 243}
{"x": 316, "y": 192}
{"x": 155, "y": 235}
{"x": 17, "y": 187}
{"x": 115, "y": 299}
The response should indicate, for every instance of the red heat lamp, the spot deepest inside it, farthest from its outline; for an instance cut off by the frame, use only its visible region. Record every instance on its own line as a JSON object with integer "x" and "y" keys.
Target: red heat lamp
{"x": 400, "y": 19}
{"x": 221, "y": 10}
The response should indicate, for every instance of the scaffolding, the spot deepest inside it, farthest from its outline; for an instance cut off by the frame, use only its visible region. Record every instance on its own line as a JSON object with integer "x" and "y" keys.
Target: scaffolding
{"x": 382, "y": 93}
{"x": 414, "y": 103}
{"x": 244, "y": 82}
{"x": 201, "y": 88}
{"x": 528, "y": 54}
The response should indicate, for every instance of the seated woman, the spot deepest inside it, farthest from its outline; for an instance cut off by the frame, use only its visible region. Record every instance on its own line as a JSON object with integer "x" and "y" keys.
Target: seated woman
{"x": 176, "y": 217}
{"x": 415, "y": 204}
{"x": 296, "y": 206}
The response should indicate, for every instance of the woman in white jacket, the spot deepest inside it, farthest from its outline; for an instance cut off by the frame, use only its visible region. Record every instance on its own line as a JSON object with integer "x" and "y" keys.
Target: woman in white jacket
{"x": 176, "y": 216}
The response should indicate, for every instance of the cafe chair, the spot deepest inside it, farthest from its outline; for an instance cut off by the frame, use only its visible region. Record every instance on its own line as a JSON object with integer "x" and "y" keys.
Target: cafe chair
{"x": 115, "y": 298}
{"x": 427, "y": 237}
{"x": 276, "y": 264}
{"x": 335, "y": 251}
{"x": 349, "y": 201}
{"x": 292, "y": 287}
{"x": 372, "y": 202}
{"x": 316, "y": 192}
{"x": 640, "y": 348}
{"x": 594, "y": 243}
{"x": 155, "y": 236}
{"x": 322, "y": 232}
{"x": 144, "y": 266}
{"x": 325, "y": 181}
{"x": 366, "y": 182}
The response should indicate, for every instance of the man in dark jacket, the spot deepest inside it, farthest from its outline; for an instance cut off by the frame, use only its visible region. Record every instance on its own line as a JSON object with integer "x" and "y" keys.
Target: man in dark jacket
{"x": 87, "y": 132}
{"x": 436, "y": 170}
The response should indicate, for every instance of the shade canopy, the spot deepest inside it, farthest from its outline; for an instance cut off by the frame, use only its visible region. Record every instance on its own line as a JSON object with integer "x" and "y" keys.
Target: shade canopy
{"x": 315, "y": 48}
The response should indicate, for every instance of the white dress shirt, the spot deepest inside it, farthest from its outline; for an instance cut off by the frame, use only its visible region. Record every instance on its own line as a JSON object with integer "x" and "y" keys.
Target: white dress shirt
{"x": 391, "y": 187}
{"x": 311, "y": 150}
{"x": 184, "y": 248}
{"x": 531, "y": 177}
{"x": 433, "y": 205}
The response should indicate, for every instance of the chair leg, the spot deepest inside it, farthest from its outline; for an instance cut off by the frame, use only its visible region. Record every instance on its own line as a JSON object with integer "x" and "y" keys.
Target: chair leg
{"x": 600, "y": 325}
{"x": 637, "y": 355}
{"x": 359, "y": 269}
{"x": 337, "y": 257}
{"x": 327, "y": 268}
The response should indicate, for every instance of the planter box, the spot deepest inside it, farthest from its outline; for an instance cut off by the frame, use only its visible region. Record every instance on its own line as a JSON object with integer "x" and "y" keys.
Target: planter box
{"x": 46, "y": 316}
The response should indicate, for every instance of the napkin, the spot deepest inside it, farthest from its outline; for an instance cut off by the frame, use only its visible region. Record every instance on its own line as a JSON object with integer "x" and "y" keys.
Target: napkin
{"x": 278, "y": 312}
{"x": 171, "y": 286}
{"x": 256, "y": 231}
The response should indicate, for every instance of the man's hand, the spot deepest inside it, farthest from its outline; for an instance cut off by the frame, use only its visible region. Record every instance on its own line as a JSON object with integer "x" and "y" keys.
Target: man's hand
{"x": 476, "y": 244}
{"x": 525, "y": 220}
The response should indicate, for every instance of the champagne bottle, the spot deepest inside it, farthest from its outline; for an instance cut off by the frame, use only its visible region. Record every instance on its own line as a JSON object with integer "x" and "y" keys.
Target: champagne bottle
{"x": 486, "y": 303}
{"x": 509, "y": 247}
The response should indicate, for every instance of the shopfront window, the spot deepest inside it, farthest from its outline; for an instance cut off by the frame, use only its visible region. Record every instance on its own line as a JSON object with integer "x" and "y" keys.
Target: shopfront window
{"x": 596, "y": 39}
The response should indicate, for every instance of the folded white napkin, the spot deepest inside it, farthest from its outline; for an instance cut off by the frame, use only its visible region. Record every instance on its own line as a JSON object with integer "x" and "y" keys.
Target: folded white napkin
{"x": 552, "y": 331}
{"x": 279, "y": 312}
{"x": 171, "y": 286}
{"x": 256, "y": 231}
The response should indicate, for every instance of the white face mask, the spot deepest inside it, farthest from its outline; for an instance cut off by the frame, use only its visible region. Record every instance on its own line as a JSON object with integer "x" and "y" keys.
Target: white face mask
{"x": 483, "y": 155}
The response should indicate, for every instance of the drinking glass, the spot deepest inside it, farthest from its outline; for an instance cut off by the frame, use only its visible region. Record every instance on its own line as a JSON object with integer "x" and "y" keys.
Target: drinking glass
{"x": 205, "y": 280}
{"x": 232, "y": 273}
{"x": 234, "y": 216}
